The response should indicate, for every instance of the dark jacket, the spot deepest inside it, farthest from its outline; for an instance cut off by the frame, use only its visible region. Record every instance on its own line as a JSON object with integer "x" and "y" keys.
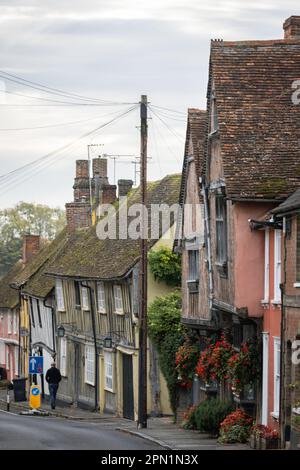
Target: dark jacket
{"x": 53, "y": 376}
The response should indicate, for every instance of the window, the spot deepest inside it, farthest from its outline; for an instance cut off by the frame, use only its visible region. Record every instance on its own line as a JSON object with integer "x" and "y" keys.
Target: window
{"x": 16, "y": 352}
{"x": 101, "y": 297}
{"x": 39, "y": 313}
{"x": 7, "y": 358}
{"x": 63, "y": 356}
{"x": 15, "y": 323}
{"x": 60, "y": 295}
{"x": 267, "y": 265}
{"x": 118, "y": 299}
{"x": 193, "y": 265}
{"x": 85, "y": 298}
{"x": 31, "y": 312}
{"x": 89, "y": 365}
{"x": 9, "y": 324}
{"x": 108, "y": 366}
{"x": 77, "y": 294}
{"x": 221, "y": 229}
{"x": 277, "y": 266}
{"x": 276, "y": 376}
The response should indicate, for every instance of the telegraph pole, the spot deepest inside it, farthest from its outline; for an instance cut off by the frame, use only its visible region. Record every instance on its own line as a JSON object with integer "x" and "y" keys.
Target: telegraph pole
{"x": 142, "y": 402}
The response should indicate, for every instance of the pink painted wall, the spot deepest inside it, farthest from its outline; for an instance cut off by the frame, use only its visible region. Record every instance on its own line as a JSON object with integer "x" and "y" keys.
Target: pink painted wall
{"x": 8, "y": 349}
{"x": 271, "y": 325}
{"x": 249, "y": 257}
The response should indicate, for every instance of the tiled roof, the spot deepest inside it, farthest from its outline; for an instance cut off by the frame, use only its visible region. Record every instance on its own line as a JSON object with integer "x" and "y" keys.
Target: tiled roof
{"x": 196, "y": 131}
{"x": 32, "y": 278}
{"x": 291, "y": 204}
{"x": 259, "y": 126}
{"x": 9, "y": 297}
{"x": 86, "y": 256}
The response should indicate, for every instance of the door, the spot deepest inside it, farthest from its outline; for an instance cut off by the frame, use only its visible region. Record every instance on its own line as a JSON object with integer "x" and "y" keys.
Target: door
{"x": 128, "y": 404}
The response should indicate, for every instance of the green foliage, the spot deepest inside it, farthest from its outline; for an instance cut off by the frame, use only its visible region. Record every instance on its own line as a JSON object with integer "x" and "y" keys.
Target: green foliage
{"x": 210, "y": 413}
{"x": 25, "y": 218}
{"x": 165, "y": 266}
{"x": 164, "y": 315}
{"x": 167, "y": 333}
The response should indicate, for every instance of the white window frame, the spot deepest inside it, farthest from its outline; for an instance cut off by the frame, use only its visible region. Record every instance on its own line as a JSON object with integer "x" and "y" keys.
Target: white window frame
{"x": 276, "y": 353}
{"x": 63, "y": 356}
{"x": 9, "y": 323}
{"x": 267, "y": 267}
{"x": 265, "y": 379}
{"x": 89, "y": 365}
{"x": 108, "y": 371}
{"x": 277, "y": 266}
{"x": 118, "y": 300}
{"x": 101, "y": 297}
{"x": 16, "y": 354}
{"x": 60, "y": 302}
{"x": 85, "y": 298}
{"x": 15, "y": 323}
{"x": 7, "y": 358}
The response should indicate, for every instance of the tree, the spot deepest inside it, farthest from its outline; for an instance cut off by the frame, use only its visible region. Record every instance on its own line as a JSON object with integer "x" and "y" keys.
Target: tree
{"x": 167, "y": 333}
{"x": 23, "y": 218}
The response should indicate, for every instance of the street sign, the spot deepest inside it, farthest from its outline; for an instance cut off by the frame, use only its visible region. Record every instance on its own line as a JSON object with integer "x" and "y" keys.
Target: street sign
{"x": 35, "y": 396}
{"x": 36, "y": 364}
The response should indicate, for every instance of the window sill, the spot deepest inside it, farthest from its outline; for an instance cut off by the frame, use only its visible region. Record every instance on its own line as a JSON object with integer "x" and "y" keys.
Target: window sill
{"x": 110, "y": 390}
{"x": 276, "y": 302}
{"x": 90, "y": 383}
{"x": 275, "y": 415}
{"x": 119, "y": 313}
{"x": 296, "y": 284}
{"x": 265, "y": 302}
{"x": 102, "y": 312}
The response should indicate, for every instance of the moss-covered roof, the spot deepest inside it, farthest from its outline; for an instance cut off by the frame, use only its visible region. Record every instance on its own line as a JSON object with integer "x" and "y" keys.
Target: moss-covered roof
{"x": 9, "y": 297}
{"x": 86, "y": 256}
{"x": 32, "y": 278}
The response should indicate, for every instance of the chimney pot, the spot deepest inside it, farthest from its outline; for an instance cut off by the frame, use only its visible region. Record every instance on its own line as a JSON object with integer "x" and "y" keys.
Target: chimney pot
{"x": 291, "y": 28}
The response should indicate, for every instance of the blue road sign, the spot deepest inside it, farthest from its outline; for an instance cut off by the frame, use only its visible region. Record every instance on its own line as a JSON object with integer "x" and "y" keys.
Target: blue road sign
{"x": 36, "y": 364}
{"x": 35, "y": 391}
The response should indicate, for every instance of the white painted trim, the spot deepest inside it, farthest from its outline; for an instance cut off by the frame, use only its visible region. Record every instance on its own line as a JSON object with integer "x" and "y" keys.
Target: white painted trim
{"x": 265, "y": 376}
{"x": 277, "y": 265}
{"x": 296, "y": 284}
{"x": 267, "y": 266}
{"x": 277, "y": 372}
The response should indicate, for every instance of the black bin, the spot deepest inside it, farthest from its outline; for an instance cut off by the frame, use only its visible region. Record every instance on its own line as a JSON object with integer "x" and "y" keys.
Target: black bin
{"x": 20, "y": 389}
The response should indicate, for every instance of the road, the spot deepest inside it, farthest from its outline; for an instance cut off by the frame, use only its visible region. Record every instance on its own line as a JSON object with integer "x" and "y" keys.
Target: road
{"x": 49, "y": 433}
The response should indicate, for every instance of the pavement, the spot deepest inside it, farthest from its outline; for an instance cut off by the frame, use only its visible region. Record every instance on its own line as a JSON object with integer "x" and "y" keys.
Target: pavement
{"x": 170, "y": 436}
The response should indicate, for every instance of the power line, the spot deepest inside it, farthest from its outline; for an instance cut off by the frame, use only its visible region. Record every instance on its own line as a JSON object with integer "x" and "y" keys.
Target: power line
{"x": 50, "y": 90}
{"x": 7, "y": 178}
{"x": 57, "y": 125}
{"x": 181, "y": 139}
{"x": 168, "y": 109}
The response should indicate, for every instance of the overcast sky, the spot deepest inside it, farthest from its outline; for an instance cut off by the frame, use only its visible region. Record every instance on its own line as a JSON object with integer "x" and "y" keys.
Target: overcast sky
{"x": 112, "y": 50}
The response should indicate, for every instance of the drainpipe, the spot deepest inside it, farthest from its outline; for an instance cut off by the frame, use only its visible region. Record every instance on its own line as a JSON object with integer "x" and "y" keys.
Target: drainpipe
{"x": 207, "y": 227}
{"x": 19, "y": 335}
{"x": 92, "y": 304}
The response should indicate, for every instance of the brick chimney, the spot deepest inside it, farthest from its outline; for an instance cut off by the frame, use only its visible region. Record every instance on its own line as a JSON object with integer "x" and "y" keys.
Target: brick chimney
{"x": 291, "y": 28}
{"x": 108, "y": 193}
{"x": 124, "y": 187}
{"x": 31, "y": 245}
{"x": 78, "y": 212}
{"x": 100, "y": 169}
{"x": 81, "y": 183}
{"x": 78, "y": 215}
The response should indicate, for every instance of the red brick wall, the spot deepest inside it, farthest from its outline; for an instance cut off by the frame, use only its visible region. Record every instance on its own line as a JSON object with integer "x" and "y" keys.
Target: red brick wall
{"x": 82, "y": 168}
{"x": 78, "y": 215}
{"x": 31, "y": 246}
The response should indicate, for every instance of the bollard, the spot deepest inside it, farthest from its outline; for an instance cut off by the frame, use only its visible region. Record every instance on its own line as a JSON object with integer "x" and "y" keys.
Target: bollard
{"x": 7, "y": 400}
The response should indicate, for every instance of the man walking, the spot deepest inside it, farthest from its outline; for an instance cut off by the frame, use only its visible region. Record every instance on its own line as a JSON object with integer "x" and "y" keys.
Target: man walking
{"x": 53, "y": 378}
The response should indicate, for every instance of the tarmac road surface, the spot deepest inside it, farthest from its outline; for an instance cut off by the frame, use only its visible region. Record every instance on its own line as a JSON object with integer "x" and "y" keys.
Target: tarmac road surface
{"x": 49, "y": 433}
